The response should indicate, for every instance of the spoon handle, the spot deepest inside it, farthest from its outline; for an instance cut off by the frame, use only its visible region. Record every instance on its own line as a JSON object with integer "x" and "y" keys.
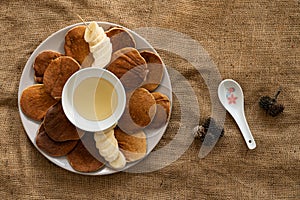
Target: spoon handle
{"x": 244, "y": 127}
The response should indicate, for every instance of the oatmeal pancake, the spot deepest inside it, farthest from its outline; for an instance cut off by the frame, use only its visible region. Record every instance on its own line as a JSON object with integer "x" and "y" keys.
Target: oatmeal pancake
{"x": 156, "y": 70}
{"x": 139, "y": 111}
{"x": 120, "y": 38}
{"x": 75, "y": 45}
{"x": 35, "y": 101}
{"x": 133, "y": 146}
{"x": 129, "y": 66}
{"x": 41, "y": 63}
{"x": 51, "y": 147}
{"x": 57, "y": 74}
{"x": 58, "y": 127}
{"x": 82, "y": 160}
{"x": 162, "y": 110}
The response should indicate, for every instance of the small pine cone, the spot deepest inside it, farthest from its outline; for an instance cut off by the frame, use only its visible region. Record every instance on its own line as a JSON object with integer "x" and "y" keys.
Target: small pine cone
{"x": 201, "y": 132}
{"x": 210, "y": 138}
{"x": 275, "y": 110}
{"x": 214, "y": 127}
{"x": 266, "y": 102}
{"x": 270, "y": 105}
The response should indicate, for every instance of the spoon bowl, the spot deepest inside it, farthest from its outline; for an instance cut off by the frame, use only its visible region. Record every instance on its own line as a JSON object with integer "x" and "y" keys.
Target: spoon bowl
{"x": 232, "y": 98}
{"x": 231, "y": 95}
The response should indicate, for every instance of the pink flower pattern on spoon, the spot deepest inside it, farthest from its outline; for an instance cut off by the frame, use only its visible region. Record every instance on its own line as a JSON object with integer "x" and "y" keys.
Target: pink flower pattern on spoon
{"x": 230, "y": 95}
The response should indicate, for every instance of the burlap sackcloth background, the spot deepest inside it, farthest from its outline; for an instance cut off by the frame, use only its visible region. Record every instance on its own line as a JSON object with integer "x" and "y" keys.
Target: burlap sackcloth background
{"x": 257, "y": 43}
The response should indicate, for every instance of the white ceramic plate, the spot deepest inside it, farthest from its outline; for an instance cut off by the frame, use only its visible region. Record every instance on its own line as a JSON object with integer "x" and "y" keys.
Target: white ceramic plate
{"x": 56, "y": 42}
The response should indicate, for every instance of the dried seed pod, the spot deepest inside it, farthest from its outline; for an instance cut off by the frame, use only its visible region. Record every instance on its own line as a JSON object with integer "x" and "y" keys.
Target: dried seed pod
{"x": 270, "y": 105}
{"x": 210, "y": 130}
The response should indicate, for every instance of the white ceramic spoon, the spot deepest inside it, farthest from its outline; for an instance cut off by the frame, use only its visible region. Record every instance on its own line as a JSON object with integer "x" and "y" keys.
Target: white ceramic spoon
{"x": 231, "y": 96}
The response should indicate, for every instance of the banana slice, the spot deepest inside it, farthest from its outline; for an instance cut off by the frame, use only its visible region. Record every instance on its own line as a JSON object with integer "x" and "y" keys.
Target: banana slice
{"x": 100, "y": 140}
{"x": 105, "y": 143}
{"x": 101, "y": 136}
{"x": 107, "y": 152}
{"x": 98, "y": 39}
{"x": 100, "y": 46}
{"x": 107, "y": 147}
{"x": 113, "y": 155}
{"x": 102, "y": 60}
{"x": 92, "y": 31}
{"x": 120, "y": 162}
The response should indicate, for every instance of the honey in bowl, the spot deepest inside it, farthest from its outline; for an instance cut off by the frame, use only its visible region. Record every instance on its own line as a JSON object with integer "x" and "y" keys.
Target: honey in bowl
{"x": 99, "y": 101}
{"x": 95, "y": 99}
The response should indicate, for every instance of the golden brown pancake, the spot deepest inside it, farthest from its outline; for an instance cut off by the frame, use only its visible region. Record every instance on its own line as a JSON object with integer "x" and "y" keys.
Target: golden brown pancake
{"x": 57, "y": 73}
{"x": 51, "y": 147}
{"x": 133, "y": 146}
{"x": 88, "y": 61}
{"x": 120, "y": 38}
{"x": 156, "y": 70}
{"x": 41, "y": 63}
{"x": 75, "y": 45}
{"x": 129, "y": 66}
{"x": 162, "y": 110}
{"x": 90, "y": 144}
{"x": 139, "y": 112}
{"x": 82, "y": 160}
{"x": 141, "y": 107}
{"x": 58, "y": 127}
{"x": 35, "y": 102}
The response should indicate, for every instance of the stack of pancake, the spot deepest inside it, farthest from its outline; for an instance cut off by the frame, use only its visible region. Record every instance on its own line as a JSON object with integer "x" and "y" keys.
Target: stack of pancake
{"x": 139, "y": 71}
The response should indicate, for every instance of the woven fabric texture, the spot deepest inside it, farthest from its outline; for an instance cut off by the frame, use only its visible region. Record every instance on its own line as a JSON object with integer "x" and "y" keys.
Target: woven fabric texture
{"x": 256, "y": 43}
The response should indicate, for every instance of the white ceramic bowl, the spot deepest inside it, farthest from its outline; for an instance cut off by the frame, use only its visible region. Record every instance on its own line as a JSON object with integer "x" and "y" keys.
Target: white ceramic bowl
{"x": 72, "y": 114}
